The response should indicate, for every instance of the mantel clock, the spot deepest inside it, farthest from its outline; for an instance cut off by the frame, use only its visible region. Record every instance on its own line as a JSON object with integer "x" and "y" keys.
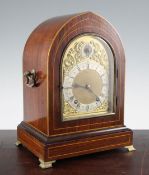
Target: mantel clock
{"x": 73, "y": 69}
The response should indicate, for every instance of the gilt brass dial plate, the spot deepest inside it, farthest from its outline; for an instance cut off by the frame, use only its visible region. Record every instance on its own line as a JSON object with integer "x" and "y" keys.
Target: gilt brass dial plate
{"x": 87, "y": 78}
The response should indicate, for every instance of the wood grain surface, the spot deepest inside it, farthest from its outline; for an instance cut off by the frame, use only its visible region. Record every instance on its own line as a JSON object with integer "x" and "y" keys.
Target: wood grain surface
{"x": 42, "y": 105}
{"x": 19, "y": 161}
{"x": 43, "y": 52}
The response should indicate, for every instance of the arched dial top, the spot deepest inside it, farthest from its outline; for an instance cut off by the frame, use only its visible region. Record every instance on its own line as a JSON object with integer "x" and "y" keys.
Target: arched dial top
{"x": 87, "y": 78}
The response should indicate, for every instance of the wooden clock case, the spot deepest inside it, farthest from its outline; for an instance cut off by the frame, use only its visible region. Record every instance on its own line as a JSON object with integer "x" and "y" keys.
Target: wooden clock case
{"x": 42, "y": 130}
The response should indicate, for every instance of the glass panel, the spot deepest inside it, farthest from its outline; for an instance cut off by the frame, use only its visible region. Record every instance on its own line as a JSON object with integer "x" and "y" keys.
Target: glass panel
{"x": 87, "y": 78}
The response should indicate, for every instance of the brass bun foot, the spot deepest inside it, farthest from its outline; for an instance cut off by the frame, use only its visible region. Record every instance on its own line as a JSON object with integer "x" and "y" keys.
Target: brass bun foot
{"x": 18, "y": 143}
{"x": 130, "y": 148}
{"x": 45, "y": 165}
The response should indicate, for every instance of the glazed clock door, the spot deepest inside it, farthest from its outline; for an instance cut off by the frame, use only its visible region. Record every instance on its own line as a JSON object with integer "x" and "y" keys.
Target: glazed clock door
{"x": 87, "y": 79}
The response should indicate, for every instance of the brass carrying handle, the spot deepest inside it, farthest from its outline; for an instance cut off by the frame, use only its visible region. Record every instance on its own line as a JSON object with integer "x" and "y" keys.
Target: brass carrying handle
{"x": 31, "y": 78}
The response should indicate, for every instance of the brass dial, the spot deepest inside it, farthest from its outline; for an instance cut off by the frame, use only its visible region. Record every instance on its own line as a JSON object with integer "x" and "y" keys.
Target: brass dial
{"x": 87, "y": 90}
{"x": 87, "y": 78}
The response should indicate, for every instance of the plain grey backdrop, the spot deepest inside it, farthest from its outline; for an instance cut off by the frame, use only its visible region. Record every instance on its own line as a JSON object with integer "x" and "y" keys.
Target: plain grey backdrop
{"x": 19, "y": 17}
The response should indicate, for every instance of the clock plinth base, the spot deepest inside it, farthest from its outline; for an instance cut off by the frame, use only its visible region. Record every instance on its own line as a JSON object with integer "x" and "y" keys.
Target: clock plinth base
{"x": 130, "y": 148}
{"x": 50, "y": 148}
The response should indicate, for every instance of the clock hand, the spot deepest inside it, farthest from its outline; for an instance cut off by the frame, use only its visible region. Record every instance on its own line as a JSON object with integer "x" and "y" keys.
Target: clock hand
{"x": 89, "y": 89}
{"x": 75, "y": 85}
{"x": 66, "y": 87}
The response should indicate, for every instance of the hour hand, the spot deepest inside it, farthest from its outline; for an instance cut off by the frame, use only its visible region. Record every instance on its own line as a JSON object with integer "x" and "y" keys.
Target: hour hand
{"x": 67, "y": 87}
{"x": 75, "y": 85}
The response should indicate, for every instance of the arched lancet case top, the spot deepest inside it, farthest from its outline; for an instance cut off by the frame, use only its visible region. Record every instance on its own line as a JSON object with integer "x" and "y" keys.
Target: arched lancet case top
{"x": 74, "y": 71}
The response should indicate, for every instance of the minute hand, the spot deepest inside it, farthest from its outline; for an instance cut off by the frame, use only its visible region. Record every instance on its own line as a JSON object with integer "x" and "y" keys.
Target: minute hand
{"x": 89, "y": 89}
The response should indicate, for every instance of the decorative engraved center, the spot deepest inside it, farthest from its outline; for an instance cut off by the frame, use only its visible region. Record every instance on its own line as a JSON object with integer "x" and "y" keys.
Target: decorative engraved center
{"x": 87, "y": 50}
